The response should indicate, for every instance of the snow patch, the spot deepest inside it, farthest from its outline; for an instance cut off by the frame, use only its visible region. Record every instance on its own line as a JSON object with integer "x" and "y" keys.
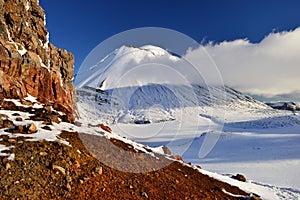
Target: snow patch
{"x": 101, "y": 61}
{"x": 41, "y": 134}
{"x": 22, "y": 51}
{"x": 265, "y": 193}
{"x": 45, "y": 23}
{"x": 158, "y": 149}
{"x": 5, "y": 148}
{"x": 8, "y": 35}
{"x": 46, "y": 44}
{"x": 11, "y": 157}
{"x": 61, "y": 80}
{"x": 30, "y": 98}
{"x": 17, "y": 102}
{"x": 235, "y": 195}
{"x": 27, "y": 6}
{"x": 43, "y": 65}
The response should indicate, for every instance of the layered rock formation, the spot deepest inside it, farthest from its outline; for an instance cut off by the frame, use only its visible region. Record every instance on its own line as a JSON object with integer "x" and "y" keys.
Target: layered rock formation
{"x": 29, "y": 64}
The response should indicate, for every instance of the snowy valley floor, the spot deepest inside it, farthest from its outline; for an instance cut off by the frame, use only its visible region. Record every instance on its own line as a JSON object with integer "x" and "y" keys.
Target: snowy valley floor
{"x": 262, "y": 145}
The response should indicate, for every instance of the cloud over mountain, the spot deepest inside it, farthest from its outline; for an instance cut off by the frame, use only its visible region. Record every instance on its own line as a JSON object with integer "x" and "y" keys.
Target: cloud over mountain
{"x": 270, "y": 67}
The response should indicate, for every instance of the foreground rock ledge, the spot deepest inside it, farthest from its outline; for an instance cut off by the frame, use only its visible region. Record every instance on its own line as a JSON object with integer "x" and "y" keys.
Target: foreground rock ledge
{"x": 50, "y": 170}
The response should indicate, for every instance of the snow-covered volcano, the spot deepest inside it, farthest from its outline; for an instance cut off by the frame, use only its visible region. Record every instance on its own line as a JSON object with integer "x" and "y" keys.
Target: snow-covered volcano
{"x": 216, "y": 127}
{"x": 148, "y": 84}
{"x": 108, "y": 72}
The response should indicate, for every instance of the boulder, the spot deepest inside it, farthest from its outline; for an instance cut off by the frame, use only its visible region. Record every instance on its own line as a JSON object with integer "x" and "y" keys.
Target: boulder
{"x": 105, "y": 128}
{"x": 239, "y": 177}
{"x": 167, "y": 150}
{"x": 31, "y": 128}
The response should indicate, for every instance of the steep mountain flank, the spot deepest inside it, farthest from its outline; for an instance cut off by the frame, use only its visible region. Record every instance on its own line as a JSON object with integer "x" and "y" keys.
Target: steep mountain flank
{"x": 29, "y": 64}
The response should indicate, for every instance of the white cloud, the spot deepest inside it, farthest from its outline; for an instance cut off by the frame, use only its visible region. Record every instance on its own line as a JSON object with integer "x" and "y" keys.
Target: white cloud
{"x": 271, "y": 67}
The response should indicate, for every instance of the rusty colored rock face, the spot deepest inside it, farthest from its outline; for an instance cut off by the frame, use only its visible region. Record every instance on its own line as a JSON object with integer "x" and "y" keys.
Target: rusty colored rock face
{"x": 29, "y": 64}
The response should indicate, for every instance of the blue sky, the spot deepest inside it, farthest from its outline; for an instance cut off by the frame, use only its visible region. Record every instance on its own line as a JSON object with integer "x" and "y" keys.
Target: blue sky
{"x": 79, "y": 26}
{"x": 263, "y": 25}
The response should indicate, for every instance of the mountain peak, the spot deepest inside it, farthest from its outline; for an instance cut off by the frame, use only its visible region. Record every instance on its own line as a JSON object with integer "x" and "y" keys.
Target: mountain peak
{"x": 123, "y": 61}
{"x": 152, "y": 49}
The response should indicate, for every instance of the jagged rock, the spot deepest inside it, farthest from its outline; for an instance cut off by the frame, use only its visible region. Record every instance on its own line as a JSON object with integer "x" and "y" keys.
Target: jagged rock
{"x": 3, "y": 116}
{"x": 46, "y": 128}
{"x": 239, "y": 177}
{"x": 254, "y": 197}
{"x": 68, "y": 118}
{"x": 7, "y": 123}
{"x": 19, "y": 119}
{"x": 105, "y": 128}
{"x": 167, "y": 150}
{"x": 60, "y": 169}
{"x": 29, "y": 64}
{"x": 26, "y": 129}
{"x": 178, "y": 157}
{"x": 26, "y": 103}
{"x": 31, "y": 128}
{"x": 144, "y": 194}
{"x": 99, "y": 170}
{"x": 55, "y": 119}
{"x": 76, "y": 164}
{"x": 11, "y": 140}
{"x": 15, "y": 129}
{"x": 8, "y": 105}
{"x": 7, "y": 166}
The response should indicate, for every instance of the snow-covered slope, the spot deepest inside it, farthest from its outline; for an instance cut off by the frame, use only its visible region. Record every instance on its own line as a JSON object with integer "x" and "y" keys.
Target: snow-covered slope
{"x": 120, "y": 62}
{"x": 147, "y": 85}
{"x": 216, "y": 127}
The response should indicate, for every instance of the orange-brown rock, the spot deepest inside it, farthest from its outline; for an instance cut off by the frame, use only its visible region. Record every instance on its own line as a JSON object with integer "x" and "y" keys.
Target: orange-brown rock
{"x": 178, "y": 157}
{"x": 31, "y": 128}
{"x": 29, "y": 64}
{"x": 167, "y": 150}
{"x": 105, "y": 128}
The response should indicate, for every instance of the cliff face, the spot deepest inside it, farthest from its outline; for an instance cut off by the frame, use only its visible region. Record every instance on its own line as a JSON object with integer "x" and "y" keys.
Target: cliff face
{"x": 29, "y": 64}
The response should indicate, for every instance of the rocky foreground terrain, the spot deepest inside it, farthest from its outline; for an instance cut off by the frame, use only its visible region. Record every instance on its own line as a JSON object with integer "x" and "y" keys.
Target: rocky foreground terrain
{"x": 41, "y": 151}
{"x": 65, "y": 169}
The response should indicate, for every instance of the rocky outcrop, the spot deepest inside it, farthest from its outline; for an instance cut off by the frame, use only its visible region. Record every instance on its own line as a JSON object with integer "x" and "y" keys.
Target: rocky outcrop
{"x": 29, "y": 64}
{"x": 292, "y": 106}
